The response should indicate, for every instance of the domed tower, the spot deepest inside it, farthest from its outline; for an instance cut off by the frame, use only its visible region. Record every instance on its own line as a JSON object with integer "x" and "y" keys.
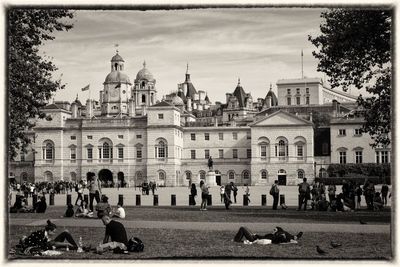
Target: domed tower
{"x": 116, "y": 91}
{"x": 144, "y": 90}
{"x": 270, "y": 99}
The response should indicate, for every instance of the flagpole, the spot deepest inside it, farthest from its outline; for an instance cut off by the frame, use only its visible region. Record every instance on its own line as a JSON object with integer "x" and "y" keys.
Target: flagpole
{"x": 302, "y": 73}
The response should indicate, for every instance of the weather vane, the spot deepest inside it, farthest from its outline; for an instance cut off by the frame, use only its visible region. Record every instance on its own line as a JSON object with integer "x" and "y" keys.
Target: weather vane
{"x": 116, "y": 45}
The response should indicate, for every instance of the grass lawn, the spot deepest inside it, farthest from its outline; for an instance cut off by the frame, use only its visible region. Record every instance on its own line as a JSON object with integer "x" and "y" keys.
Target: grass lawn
{"x": 186, "y": 244}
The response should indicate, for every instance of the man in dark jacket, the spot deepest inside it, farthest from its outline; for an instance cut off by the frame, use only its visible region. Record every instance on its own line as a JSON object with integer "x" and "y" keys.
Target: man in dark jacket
{"x": 116, "y": 231}
{"x": 275, "y": 194}
{"x": 304, "y": 193}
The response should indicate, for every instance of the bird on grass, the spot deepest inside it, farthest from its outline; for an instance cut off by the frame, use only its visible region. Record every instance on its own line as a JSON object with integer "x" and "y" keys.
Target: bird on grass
{"x": 362, "y": 222}
{"x": 335, "y": 244}
{"x": 320, "y": 251}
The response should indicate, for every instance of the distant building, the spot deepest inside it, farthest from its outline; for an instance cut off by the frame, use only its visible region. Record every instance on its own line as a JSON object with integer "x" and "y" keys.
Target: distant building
{"x": 128, "y": 136}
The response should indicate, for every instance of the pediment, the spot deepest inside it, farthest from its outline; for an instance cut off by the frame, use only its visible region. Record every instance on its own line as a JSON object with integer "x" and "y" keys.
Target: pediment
{"x": 281, "y": 118}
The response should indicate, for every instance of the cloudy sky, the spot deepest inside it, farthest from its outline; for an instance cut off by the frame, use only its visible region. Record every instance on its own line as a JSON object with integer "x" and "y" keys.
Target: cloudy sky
{"x": 259, "y": 46}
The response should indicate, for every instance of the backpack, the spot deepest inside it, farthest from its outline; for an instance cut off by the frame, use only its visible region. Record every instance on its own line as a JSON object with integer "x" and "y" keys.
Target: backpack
{"x": 135, "y": 245}
{"x": 272, "y": 190}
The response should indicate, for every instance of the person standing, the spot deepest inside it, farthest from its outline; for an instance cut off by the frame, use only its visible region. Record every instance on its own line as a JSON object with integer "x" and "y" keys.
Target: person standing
{"x": 304, "y": 194}
{"x": 222, "y": 192}
{"x": 193, "y": 193}
{"x": 79, "y": 190}
{"x": 331, "y": 191}
{"x": 358, "y": 194}
{"x": 227, "y": 199}
{"x": 204, "y": 195}
{"x": 384, "y": 192}
{"x": 235, "y": 190}
{"x": 247, "y": 193}
{"x": 275, "y": 194}
{"x": 94, "y": 189}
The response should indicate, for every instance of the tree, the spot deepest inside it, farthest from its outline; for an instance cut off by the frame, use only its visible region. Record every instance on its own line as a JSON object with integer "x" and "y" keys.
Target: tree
{"x": 354, "y": 49}
{"x": 30, "y": 81}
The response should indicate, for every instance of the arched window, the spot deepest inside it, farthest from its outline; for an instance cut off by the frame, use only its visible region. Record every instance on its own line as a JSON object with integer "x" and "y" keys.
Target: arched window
{"x": 48, "y": 176}
{"x": 264, "y": 174}
{"x": 48, "y": 150}
{"x": 161, "y": 175}
{"x": 143, "y": 98}
{"x": 161, "y": 151}
{"x": 188, "y": 175}
{"x": 300, "y": 174}
{"x": 24, "y": 176}
{"x": 106, "y": 151}
{"x": 231, "y": 175}
{"x": 246, "y": 175}
{"x": 282, "y": 149}
{"x": 202, "y": 175}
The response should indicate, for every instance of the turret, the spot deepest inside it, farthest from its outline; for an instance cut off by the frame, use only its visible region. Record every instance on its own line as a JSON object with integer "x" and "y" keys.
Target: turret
{"x": 132, "y": 107}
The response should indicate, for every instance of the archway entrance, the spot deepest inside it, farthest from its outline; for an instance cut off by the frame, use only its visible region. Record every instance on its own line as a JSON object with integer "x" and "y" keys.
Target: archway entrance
{"x": 106, "y": 178}
{"x": 121, "y": 179}
{"x": 218, "y": 178}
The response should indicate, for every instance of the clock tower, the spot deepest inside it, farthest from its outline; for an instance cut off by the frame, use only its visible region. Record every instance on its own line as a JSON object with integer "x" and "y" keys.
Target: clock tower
{"x": 116, "y": 93}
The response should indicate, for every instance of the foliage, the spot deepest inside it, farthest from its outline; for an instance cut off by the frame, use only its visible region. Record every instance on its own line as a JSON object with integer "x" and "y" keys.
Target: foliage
{"x": 320, "y": 119}
{"x": 354, "y": 49}
{"x": 364, "y": 169}
{"x": 30, "y": 80}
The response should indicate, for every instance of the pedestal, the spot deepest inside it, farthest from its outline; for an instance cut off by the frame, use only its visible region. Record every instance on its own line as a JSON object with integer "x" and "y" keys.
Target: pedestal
{"x": 210, "y": 179}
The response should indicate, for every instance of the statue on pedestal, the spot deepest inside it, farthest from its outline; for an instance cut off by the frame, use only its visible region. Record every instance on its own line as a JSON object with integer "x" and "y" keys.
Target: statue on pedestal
{"x": 210, "y": 164}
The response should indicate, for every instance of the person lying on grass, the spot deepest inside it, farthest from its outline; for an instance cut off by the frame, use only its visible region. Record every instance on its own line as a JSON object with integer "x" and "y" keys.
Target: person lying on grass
{"x": 117, "y": 232}
{"x": 42, "y": 239}
{"x": 277, "y": 236}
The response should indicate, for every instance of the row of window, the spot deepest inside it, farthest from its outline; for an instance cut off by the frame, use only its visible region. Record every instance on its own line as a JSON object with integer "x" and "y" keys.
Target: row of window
{"x": 120, "y": 136}
{"x": 380, "y": 157}
{"x": 298, "y": 100}
{"x": 289, "y": 91}
{"x": 357, "y": 132}
{"x": 220, "y": 136}
{"x": 245, "y": 174}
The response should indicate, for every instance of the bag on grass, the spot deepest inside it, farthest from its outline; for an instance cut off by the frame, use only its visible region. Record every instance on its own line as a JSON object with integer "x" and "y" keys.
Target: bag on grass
{"x": 135, "y": 245}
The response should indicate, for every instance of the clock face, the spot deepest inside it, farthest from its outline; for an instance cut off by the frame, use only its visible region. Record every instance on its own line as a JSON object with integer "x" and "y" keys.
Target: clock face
{"x": 114, "y": 93}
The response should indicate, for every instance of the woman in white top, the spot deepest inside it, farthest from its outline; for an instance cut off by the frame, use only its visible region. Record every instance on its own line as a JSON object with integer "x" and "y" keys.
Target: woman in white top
{"x": 119, "y": 212}
{"x": 222, "y": 192}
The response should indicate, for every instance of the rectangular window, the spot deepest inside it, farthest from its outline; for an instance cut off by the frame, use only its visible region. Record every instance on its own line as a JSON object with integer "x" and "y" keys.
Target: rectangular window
{"x": 193, "y": 136}
{"x": 342, "y": 132}
{"x": 235, "y": 153}
{"x": 193, "y": 154}
{"x": 385, "y": 157}
{"x": 289, "y": 101}
{"x": 221, "y": 153}
{"x": 73, "y": 153}
{"x": 300, "y": 152}
{"x": 120, "y": 136}
{"x": 139, "y": 153}
{"x": 73, "y": 137}
{"x": 357, "y": 132}
{"x": 263, "y": 151}
{"x": 297, "y": 90}
{"x": 120, "y": 152}
{"x": 138, "y": 136}
{"x": 160, "y": 116}
{"x": 206, "y": 136}
{"x": 99, "y": 153}
{"x": 249, "y": 153}
{"x": 206, "y": 153}
{"x": 307, "y": 100}
{"x": 234, "y": 135}
{"x": 298, "y": 100}
{"x": 22, "y": 157}
{"x": 358, "y": 156}
{"x": 221, "y": 136}
{"x": 377, "y": 157}
{"x": 90, "y": 153}
{"x": 89, "y": 137}
{"x": 307, "y": 90}
{"x": 342, "y": 157}
{"x": 248, "y": 135}
{"x": 288, "y": 91}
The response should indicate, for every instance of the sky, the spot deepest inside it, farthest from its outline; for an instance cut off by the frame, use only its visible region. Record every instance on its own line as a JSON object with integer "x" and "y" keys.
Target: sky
{"x": 257, "y": 45}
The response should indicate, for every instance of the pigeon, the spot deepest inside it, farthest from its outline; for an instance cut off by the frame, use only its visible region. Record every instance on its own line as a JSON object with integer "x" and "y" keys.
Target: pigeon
{"x": 320, "y": 251}
{"x": 362, "y": 222}
{"x": 335, "y": 245}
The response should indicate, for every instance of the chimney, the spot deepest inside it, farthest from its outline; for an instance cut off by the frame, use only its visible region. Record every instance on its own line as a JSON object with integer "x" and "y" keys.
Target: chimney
{"x": 311, "y": 116}
{"x": 101, "y": 96}
{"x": 189, "y": 105}
{"x": 89, "y": 109}
{"x": 74, "y": 110}
{"x": 143, "y": 110}
{"x": 215, "y": 121}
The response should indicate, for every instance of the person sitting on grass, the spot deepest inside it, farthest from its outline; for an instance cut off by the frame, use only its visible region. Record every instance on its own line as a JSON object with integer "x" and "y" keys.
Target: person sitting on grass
{"x": 103, "y": 208}
{"x": 322, "y": 203}
{"x": 277, "y": 236}
{"x": 70, "y": 211}
{"x": 119, "y": 212}
{"x": 42, "y": 239}
{"x": 116, "y": 231}
{"x": 83, "y": 211}
{"x": 41, "y": 205}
